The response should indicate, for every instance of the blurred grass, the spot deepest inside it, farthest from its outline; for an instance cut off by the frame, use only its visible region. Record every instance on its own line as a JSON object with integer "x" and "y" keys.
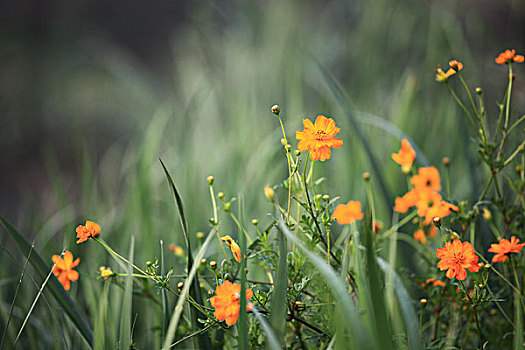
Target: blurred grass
{"x": 104, "y": 119}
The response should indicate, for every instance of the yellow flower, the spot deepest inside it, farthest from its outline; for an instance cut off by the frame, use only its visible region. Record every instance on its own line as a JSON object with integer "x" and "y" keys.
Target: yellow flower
{"x": 105, "y": 272}
{"x": 319, "y": 138}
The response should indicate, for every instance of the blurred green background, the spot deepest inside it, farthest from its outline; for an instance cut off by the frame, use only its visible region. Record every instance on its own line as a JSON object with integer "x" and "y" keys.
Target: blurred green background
{"x": 93, "y": 93}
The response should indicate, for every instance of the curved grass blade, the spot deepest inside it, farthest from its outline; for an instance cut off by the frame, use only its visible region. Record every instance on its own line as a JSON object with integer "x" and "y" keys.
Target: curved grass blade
{"x": 56, "y": 289}
{"x": 279, "y": 297}
{"x": 195, "y": 292}
{"x": 359, "y": 337}
{"x": 100, "y": 325}
{"x": 182, "y": 297}
{"x": 409, "y": 315}
{"x": 272, "y": 342}
{"x": 343, "y": 101}
{"x": 242, "y": 325}
{"x": 124, "y": 339}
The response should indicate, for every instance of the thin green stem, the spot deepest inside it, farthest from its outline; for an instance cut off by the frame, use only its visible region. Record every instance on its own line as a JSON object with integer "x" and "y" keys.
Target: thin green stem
{"x": 475, "y": 313}
{"x": 216, "y": 218}
{"x": 289, "y": 169}
{"x": 395, "y": 227}
{"x": 461, "y": 104}
{"x": 517, "y": 151}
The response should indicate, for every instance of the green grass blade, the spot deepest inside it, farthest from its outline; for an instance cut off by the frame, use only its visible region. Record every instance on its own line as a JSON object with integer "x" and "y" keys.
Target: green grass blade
{"x": 195, "y": 292}
{"x": 242, "y": 324}
{"x": 56, "y": 289}
{"x": 518, "y": 321}
{"x": 409, "y": 315}
{"x": 272, "y": 342}
{"x": 100, "y": 324}
{"x": 358, "y": 336}
{"x": 342, "y": 99}
{"x": 16, "y": 294}
{"x": 124, "y": 340}
{"x": 165, "y": 301}
{"x": 184, "y": 293}
{"x": 279, "y": 297}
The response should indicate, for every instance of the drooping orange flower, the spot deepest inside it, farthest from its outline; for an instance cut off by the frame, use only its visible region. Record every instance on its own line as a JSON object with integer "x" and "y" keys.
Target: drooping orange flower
{"x": 504, "y": 248}
{"x": 405, "y": 157}
{"x": 419, "y": 235}
{"x": 91, "y": 229}
{"x": 236, "y": 250}
{"x": 64, "y": 268}
{"x": 455, "y": 66}
{"x": 348, "y": 213}
{"x": 319, "y": 138}
{"x": 456, "y": 258}
{"x": 509, "y": 56}
{"x": 227, "y": 302}
{"x": 427, "y": 179}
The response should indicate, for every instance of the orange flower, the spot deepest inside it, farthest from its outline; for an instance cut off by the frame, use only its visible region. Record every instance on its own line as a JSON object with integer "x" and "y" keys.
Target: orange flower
{"x": 504, "y": 248}
{"x": 508, "y": 56}
{"x": 404, "y": 203}
{"x": 91, "y": 230}
{"x": 455, "y": 66}
{"x": 439, "y": 209}
{"x": 427, "y": 179}
{"x": 236, "y": 251}
{"x": 64, "y": 268}
{"x": 318, "y": 138}
{"x": 457, "y": 257}
{"x": 226, "y": 302}
{"x": 419, "y": 235}
{"x": 405, "y": 157}
{"x": 348, "y": 213}
{"x": 435, "y": 282}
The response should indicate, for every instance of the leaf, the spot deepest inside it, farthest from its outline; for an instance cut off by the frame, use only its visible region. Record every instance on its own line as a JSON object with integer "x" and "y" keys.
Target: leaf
{"x": 124, "y": 340}
{"x": 405, "y": 302}
{"x": 56, "y": 289}
{"x": 279, "y": 297}
{"x": 195, "y": 292}
{"x": 272, "y": 340}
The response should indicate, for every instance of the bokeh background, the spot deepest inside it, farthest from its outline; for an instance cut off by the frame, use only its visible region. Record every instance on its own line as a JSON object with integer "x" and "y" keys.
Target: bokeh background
{"x": 92, "y": 93}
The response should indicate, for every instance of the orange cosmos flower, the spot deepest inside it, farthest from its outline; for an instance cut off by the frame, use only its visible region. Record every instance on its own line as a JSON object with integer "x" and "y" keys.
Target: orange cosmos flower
{"x": 419, "y": 235}
{"x": 455, "y": 66}
{"x": 405, "y": 157}
{"x": 456, "y": 258}
{"x": 504, "y": 247}
{"x": 348, "y": 213}
{"x": 90, "y": 230}
{"x": 319, "y": 138}
{"x": 236, "y": 251}
{"x": 427, "y": 179}
{"x": 508, "y": 56}
{"x": 406, "y": 202}
{"x": 435, "y": 282}
{"x": 64, "y": 268}
{"x": 226, "y": 302}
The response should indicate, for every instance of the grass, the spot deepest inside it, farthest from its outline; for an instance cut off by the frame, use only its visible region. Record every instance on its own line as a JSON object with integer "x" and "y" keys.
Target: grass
{"x": 369, "y": 65}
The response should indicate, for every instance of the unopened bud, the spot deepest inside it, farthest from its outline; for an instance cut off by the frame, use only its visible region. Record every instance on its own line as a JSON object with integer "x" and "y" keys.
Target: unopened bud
{"x": 518, "y": 169}
{"x": 486, "y": 214}
{"x": 228, "y": 206}
{"x": 255, "y": 222}
{"x": 326, "y": 197}
{"x": 454, "y": 235}
{"x": 213, "y": 264}
{"x": 297, "y": 152}
{"x": 299, "y": 306}
{"x": 200, "y": 235}
{"x": 180, "y": 285}
{"x": 269, "y": 193}
{"x": 446, "y": 161}
{"x": 317, "y": 197}
{"x": 288, "y": 147}
{"x": 437, "y": 221}
{"x": 220, "y": 195}
{"x": 366, "y": 176}
{"x": 481, "y": 265}
{"x": 212, "y": 221}
{"x": 283, "y": 141}
{"x": 210, "y": 180}
{"x": 423, "y": 302}
{"x": 148, "y": 263}
{"x": 203, "y": 261}
{"x": 276, "y": 109}
{"x": 488, "y": 266}
{"x": 479, "y": 90}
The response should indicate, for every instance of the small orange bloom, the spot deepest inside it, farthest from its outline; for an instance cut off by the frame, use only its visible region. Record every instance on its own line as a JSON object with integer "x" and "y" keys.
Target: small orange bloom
{"x": 404, "y": 203}
{"x": 348, "y": 213}
{"x": 439, "y": 209}
{"x": 319, "y": 138}
{"x": 91, "y": 229}
{"x": 427, "y": 179}
{"x": 455, "y": 66}
{"x": 435, "y": 282}
{"x": 419, "y": 235}
{"x": 226, "y": 302}
{"x": 236, "y": 250}
{"x": 64, "y": 268}
{"x": 456, "y": 258}
{"x": 504, "y": 248}
{"x": 405, "y": 157}
{"x": 508, "y": 56}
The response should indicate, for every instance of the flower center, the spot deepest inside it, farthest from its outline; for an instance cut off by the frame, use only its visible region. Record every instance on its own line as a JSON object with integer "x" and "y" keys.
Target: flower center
{"x": 429, "y": 183}
{"x": 458, "y": 257}
{"x": 236, "y": 297}
{"x": 320, "y": 135}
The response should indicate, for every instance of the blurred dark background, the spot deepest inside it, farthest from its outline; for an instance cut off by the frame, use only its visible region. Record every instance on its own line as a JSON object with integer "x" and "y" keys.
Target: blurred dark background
{"x": 82, "y": 79}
